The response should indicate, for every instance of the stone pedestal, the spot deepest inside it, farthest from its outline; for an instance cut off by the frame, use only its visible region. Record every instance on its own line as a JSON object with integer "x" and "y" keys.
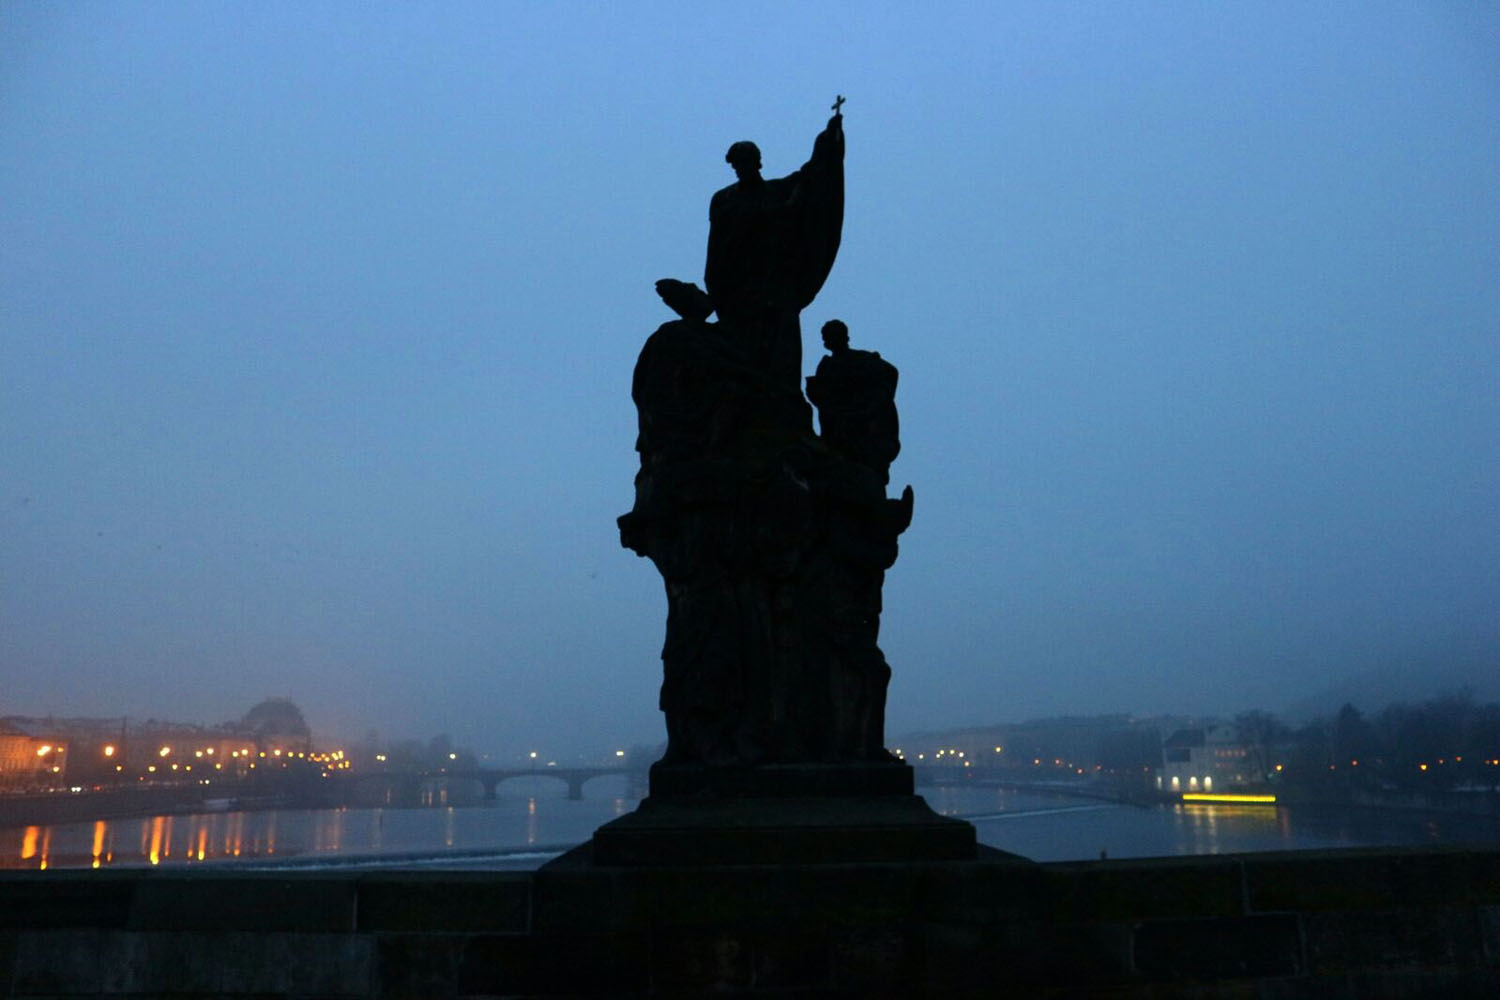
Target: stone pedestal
{"x": 796, "y": 814}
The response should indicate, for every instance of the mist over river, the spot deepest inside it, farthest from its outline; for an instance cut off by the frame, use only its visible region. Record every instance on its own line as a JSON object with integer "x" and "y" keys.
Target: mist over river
{"x": 523, "y": 831}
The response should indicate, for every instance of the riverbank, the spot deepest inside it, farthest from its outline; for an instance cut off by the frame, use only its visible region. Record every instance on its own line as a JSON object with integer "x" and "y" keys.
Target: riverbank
{"x": 53, "y": 808}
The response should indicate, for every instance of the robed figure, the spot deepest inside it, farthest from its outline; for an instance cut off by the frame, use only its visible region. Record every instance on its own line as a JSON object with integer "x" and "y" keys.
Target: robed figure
{"x": 771, "y": 244}
{"x": 855, "y": 393}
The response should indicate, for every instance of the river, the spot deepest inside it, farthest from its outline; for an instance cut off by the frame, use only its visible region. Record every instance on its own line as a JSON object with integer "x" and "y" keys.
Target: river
{"x": 521, "y": 831}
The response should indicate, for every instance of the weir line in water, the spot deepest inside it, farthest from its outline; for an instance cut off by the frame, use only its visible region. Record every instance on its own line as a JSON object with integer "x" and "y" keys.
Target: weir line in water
{"x": 988, "y": 817}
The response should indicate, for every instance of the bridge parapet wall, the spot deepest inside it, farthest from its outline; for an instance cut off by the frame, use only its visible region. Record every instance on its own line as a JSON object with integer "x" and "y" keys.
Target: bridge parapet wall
{"x": 1341, "y": 923}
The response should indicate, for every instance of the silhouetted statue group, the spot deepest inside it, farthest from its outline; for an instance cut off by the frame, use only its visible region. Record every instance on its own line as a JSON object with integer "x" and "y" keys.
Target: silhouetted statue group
{"x": 773, "y": 541}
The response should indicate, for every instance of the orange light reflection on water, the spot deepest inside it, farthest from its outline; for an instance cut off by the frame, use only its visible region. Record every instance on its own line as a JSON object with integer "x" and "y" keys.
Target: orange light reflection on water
{"x": 28, "y": 842}
{"x": 98, "y": 849}
{"x": 1198, "y": 824}
{"x": 234, "y": 834}
{"x": 328, "y": 835}
{"x": 158, "y": 827}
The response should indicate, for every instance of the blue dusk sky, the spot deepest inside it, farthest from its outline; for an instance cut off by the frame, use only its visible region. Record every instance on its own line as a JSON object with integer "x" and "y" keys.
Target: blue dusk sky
{"x": 317, "y": 323}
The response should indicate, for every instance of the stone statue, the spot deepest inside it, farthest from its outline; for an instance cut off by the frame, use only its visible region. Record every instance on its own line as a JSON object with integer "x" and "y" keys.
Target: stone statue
{"x": 771, "y": 244}
{"x": 772, "y": 542}
{"x": 855, "y": 393}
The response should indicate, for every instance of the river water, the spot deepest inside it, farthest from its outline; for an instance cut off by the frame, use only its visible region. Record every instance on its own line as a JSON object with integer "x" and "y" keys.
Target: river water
{"x": 522, "y": 831}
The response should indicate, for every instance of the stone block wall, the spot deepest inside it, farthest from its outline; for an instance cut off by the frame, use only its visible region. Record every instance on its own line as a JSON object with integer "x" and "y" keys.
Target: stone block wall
{"x": 1353, "y": 924}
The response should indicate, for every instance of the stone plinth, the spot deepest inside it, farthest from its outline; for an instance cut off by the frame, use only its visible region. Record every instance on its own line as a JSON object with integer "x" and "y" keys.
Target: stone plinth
{"x": 827, "y": 781}
{"x": 793, "y": 814}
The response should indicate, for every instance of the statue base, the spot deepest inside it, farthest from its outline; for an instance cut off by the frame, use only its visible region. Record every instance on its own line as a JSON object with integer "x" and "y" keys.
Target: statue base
{"x": 831, "y": 781}
{"x": 794, "y": 814}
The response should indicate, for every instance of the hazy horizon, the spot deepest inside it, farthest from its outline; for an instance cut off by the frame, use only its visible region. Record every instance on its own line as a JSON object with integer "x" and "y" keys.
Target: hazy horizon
{"x": 318, "y": 325}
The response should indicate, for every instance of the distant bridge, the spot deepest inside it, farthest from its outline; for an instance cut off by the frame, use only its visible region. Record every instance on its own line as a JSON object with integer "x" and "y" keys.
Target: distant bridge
{"x": 490, "y": 777}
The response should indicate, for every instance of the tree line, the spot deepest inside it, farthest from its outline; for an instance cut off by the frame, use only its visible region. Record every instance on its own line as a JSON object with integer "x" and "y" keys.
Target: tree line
{"x": 1442, "y": 743}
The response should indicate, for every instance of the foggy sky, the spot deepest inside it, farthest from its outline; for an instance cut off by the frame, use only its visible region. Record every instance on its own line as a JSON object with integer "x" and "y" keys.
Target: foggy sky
{"x": 317, "y": 325}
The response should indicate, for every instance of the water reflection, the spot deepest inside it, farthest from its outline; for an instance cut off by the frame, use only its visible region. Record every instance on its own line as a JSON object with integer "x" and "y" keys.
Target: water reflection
{"x": 1047, "y": 827}
{"x": 158, "y": 826}
{"x": 101, "y": 829}
{"x": 1206, "y": 828}
{"x": 507, "y": 823}
{"x": 1041, "y": 827}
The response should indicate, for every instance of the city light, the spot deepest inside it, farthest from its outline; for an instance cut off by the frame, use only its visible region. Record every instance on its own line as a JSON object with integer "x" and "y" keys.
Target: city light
{"x": 619, "y": 753}
{"x": 46, "y": 748}
{"x": 1224, "y": 797}
{"x": 164, "y": 751}
{"x": 109, "y": 750}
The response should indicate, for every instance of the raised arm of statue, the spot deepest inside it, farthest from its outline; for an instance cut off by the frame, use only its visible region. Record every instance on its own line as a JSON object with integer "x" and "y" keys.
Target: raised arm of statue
{"x": 772, "y": 242}
{"x": 822, "y": 211}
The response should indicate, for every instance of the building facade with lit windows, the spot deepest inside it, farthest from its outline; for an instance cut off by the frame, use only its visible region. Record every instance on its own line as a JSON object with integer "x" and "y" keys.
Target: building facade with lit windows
{"x": 86, "y": 753}
{"x": 30, "y": 758}
{"x": 1208, "y": 759}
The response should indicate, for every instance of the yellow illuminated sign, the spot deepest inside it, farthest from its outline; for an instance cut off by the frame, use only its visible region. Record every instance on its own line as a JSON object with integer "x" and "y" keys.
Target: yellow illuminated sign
{"x": 1226, "y": 797}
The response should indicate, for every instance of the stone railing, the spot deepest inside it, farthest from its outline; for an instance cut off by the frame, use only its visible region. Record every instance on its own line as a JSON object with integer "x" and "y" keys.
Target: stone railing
{"x": 1353, "y": 923}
